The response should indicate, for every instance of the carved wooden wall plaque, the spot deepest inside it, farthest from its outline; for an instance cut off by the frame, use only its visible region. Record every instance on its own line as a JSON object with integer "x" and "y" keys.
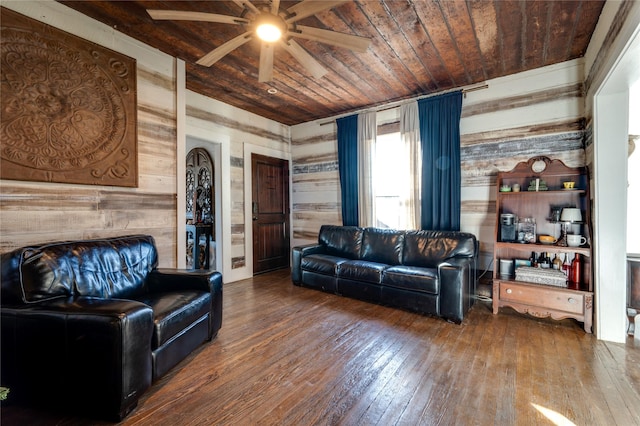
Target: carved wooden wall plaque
{"x": 68, "y": 107}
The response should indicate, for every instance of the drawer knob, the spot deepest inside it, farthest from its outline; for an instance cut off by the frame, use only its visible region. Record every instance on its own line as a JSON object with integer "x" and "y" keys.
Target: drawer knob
{"x": 509, "y": 291}
{"x": 572, "y": 300}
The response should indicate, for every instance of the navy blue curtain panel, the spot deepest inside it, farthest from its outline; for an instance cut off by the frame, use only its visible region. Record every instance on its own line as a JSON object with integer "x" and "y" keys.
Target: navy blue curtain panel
{"x": 440, "y": 140}
{"x": 348, "y": 167}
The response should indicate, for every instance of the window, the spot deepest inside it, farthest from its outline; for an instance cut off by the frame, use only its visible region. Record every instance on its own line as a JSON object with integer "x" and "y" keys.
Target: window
{"x": 390, "y": 174}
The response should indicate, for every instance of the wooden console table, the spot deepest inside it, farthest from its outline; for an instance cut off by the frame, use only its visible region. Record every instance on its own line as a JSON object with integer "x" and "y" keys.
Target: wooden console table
{"x": 196, "y": 232}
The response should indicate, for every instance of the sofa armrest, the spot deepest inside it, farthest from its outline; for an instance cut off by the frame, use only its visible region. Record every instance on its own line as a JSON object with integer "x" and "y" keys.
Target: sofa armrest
{"x": 175, "y": 280}
{"x": 296, "y": 259}
{"x": 457, "y": 285}
{"x": 94, "y": 352}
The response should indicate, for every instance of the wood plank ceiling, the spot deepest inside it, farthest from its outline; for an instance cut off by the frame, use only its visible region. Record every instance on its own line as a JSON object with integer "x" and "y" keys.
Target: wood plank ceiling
{"x": 417, "y": 48}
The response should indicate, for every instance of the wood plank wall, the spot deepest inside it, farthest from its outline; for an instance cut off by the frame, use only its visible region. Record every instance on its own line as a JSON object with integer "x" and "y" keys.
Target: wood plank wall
{"x": 32, "y": 212}
{"x": 538, "y": 112}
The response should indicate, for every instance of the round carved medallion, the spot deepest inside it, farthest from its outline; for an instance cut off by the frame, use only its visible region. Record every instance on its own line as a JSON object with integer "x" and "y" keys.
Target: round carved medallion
{"x": 60, "y": 110}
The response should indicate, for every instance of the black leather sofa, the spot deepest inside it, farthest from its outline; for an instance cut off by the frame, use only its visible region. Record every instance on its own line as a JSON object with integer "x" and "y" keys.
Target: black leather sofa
{"x": 428, "y": 272}
{"x": 87, "y": 326}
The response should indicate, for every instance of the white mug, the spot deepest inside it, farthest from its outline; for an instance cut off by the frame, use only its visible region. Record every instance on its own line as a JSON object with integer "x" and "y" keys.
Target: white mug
{"x": 576, "y": 240}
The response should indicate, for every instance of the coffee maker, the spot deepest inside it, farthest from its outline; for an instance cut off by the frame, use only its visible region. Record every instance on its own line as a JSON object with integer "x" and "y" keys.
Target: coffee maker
{"x": 507, "y": 227}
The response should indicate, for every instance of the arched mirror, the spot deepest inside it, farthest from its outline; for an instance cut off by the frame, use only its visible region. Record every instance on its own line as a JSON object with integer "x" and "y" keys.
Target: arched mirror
{"x": 200, "y": 209}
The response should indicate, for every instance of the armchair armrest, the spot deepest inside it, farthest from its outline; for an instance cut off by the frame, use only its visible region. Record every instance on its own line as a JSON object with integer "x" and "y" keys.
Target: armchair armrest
{"x": 167, "y": 280}
{"x": 457, "y": 285}
{"x": 95, "y": 352}
{"x": 296, "y": 259}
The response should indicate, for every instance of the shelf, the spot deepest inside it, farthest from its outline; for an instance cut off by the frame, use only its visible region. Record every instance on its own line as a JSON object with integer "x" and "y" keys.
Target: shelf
{"x": 549, "y": 192}
{"x": 511, "y": 280}
{"x": 585, "y": 251}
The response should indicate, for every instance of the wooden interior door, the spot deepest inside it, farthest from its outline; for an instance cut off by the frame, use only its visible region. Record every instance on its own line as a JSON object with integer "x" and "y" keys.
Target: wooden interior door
{"x": 270, "y": 213}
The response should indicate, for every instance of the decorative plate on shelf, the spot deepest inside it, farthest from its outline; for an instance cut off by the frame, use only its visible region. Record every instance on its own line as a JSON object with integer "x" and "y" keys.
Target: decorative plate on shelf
{"x": 539, "y": 166}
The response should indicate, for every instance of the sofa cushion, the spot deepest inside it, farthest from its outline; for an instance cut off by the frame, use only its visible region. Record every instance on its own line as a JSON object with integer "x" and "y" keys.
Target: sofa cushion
{"x": 362, "y": 270}
{"x": 341, "y": 241}
{"x": 322, "y": 264}
{"x": 429, "y": 248}
{"x": 413, "y": 278}
{"x": 382, "y": 245}
{"x": 174, "y": 312}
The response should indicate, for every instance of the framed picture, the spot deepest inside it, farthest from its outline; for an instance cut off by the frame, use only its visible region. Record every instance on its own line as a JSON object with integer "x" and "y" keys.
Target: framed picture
{"x": 69, "y": 107}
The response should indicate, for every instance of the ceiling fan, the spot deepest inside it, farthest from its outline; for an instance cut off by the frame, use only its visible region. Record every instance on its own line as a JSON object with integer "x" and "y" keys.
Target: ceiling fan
{"x": 272, "y": 26}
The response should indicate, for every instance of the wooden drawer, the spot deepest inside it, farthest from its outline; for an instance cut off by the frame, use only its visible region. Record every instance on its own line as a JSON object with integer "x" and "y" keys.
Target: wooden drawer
{"x": 538, "y": 295}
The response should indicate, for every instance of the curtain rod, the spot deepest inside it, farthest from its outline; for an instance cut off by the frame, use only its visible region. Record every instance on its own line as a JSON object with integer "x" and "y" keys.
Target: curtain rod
{"x": 398, "y": 103}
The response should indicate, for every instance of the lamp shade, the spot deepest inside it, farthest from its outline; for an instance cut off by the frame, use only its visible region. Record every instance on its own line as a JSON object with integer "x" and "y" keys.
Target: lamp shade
{"x": 571, "y": 214}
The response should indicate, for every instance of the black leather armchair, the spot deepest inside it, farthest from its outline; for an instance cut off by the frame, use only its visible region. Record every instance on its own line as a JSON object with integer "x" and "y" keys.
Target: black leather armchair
{"x": 89, "y": 325}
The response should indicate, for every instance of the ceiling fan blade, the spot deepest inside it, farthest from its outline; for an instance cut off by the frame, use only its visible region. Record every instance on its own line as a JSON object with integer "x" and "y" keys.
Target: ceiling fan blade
{"x": 184, "y": 15}
{"x": 246, "y": 4}
{"x": 305, "y": 59}
{"x": 216, "y": 54}
{"x": 355, "y": 43}
{"x": 310, "y": 7}
{"x": 275, "y": 6}
{"x": 265, "y": 73}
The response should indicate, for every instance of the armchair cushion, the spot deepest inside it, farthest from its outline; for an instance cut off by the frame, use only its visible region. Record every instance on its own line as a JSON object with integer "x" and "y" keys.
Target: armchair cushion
{"x": 173, "y": 312}
{"x": 115, "y": 267}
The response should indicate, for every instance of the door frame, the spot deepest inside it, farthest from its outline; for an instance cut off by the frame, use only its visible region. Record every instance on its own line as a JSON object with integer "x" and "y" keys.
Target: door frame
{"x": 610, "y": 142}
{"x": 248, "y": 192}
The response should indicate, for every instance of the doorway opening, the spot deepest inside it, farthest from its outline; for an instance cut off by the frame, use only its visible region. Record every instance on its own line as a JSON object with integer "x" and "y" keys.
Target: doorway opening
{"x": 200, "y": 210}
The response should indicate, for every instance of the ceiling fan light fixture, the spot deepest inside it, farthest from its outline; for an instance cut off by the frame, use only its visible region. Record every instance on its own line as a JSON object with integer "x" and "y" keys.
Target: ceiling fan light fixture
{"x": 270, "y": 28}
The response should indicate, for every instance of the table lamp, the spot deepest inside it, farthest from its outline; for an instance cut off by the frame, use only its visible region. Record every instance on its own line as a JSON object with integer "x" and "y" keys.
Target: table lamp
{"x": 568, "y": 216}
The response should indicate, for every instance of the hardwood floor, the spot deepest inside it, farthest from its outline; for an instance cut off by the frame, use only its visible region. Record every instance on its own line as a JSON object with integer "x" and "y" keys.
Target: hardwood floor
{"x": 293, "y": 356}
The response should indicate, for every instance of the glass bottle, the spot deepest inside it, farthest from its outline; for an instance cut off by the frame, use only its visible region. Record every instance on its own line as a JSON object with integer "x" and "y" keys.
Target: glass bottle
{"x": 566, "y": 266}
{"x": 542, "y": 261}
{"x": 557, "y": 263}
{"x": 533, "y": 259}
{"x": 576, "y": 270}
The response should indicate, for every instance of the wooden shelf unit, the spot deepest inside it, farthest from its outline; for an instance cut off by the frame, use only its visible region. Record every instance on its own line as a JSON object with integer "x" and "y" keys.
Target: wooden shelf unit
{"x": 539, "y": 300}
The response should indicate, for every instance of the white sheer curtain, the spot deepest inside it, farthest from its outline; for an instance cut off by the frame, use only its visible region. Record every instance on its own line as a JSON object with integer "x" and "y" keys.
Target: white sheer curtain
{"x": 367, "y": 129}
{"x": 410, "y": 137}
